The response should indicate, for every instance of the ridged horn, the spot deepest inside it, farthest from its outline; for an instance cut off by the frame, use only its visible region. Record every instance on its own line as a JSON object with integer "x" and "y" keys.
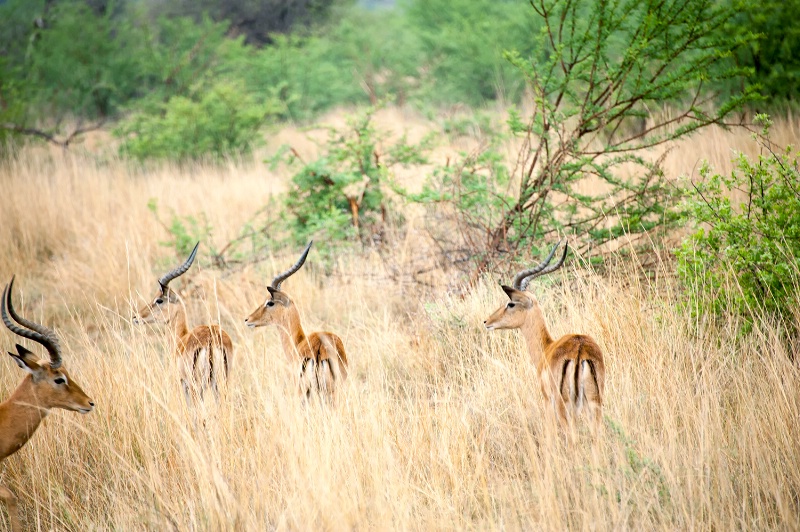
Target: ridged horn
{"x": 522, "y": 279}
{"x": 276, "y": 282}
{"x": 180, "y": 270}
{"x": 38, "y": 333}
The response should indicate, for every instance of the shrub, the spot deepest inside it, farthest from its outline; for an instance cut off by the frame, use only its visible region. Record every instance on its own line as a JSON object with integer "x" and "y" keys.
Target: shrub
{"x": 773, "y": 56}
{"x": 462, "y": 45}
{"x": 743, "y": 256}
{"x": 362, "y": 58}
{"x": 582, "y": 169}
{"x": 225, "y": 121}
{"x": 343, "y": 194}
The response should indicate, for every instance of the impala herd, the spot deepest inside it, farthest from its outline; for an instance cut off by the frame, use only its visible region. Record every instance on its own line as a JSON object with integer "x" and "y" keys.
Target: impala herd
{"x": 571, "y": 369}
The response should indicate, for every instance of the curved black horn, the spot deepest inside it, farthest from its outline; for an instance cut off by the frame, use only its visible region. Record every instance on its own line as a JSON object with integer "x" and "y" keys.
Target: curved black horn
{"x": 547, "y": 269}
{"x": 180, "y": 270}
{"x": 38, "y": 333}
{"x": 517, "y": 282}
{"x": 276, "y": 282}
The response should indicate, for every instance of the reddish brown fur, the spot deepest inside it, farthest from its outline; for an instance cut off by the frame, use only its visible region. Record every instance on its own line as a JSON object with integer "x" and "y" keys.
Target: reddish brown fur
{"x": 321, "y": 355}
{"x": 571, "y": 369}
{"x": 198, "y": 370}
{"x": 24, "y": 410}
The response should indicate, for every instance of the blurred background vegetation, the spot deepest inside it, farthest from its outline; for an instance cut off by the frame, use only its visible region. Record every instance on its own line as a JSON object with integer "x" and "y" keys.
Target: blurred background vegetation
{"x": 90, "y": 59}
{"x": 589, "y": 87}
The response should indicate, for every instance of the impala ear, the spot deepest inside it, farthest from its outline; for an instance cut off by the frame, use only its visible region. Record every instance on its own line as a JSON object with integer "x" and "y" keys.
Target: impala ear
{"x": 518, "y": 296}
{"x": 279, "y": 297}
{"x": 26, "y": 360}
{"x": 509, "y": 291}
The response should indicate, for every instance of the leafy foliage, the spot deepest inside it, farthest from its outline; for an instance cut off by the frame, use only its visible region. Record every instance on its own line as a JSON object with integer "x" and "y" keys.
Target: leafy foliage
{"x": 184, "y": 232}
{"x": 343, "y": 194}
{"x": 257, "y": 20}
{"x": 365, "y": 58}
{"x": 774, "y": 56}
{"x": 598, "y": 72}
{"x": 463, "y": 43}
{"x": 743, "y": 255}
{"x": 222, "y": 122}
{"x": 89, "y": 76}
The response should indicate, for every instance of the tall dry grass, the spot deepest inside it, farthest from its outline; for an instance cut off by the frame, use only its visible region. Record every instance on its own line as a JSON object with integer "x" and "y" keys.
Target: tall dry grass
{"x": 442, "y": 425}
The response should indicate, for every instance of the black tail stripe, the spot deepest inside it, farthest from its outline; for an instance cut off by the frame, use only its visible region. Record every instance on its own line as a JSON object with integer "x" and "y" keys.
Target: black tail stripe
{"x": 211, "y": 364}
{"x": 563, "y": 377}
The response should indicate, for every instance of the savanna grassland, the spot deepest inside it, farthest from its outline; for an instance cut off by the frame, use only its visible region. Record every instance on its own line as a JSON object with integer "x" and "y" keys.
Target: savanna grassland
{"x": 441, "y": 426}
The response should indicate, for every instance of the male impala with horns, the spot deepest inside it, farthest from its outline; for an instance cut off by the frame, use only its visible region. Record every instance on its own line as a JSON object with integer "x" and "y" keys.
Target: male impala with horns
{"x": 205, "y": 352}
{"x": 319, "y": 355}
{"x": 571, "y": 369}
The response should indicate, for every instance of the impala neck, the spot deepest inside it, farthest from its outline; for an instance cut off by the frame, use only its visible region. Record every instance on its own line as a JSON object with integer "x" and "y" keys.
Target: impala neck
{"x": 292, "y": 335}
{"x": 20, "y": 416}
{"x": 178, "y": 321}
{"x": 534, "y": 329}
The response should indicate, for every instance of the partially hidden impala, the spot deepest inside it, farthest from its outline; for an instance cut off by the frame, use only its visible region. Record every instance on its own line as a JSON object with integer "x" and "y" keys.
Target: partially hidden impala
{"x": 320, "y": 355}
{"x": 571, "y": 369}
{"x": 47, "y": 385}
{"x": 204, "y": 352}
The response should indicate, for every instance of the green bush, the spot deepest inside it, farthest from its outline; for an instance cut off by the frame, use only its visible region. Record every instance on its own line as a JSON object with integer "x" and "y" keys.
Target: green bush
{"x": 463, "y": 43}
{"x": 225, "y": 121}
{"x": 362, "y": 58}
{"x": 743, "y": 256}
{"x": 774, "y": 56}
{"x": 581, "y": 168}
{"x": 83, "y": 63}
{"x": 343, "y": 194}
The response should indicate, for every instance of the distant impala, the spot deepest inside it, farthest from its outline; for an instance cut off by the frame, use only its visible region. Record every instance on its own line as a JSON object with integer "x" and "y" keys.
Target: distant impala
{"x": 320, "y": 355}
{"x": 571, "y": 369}
{"x": 47, "y": 386}
{"x": 201, "y": 351}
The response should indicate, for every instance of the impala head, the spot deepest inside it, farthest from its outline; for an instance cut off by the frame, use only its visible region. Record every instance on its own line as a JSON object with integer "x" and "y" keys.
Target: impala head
{"x": 513, "y": 314}
{"x": 53, "y": 386}
{"x": 166, "y": 301}
{"x": 275, "y": 309}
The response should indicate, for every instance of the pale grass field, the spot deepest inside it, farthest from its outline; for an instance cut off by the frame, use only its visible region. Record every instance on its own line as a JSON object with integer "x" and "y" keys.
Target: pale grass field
{"x": 442, "y": 425}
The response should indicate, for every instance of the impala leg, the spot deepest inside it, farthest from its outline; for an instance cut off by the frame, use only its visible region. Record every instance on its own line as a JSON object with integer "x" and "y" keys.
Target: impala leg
{"x": 596, "y": 411}
{"x": 592, "y": 398}
{"x": 10, "y": 501}
{"x": 556, "y": 399}
{"x": 186, "y": 392}
{"x": 560, "y": 411}
{"x": 564, "y": 424}
{"x": 215, "y": 387}
{"x": 307, "y": 376}
{"x": 327, "y": 384}
{"x": 218, "y": 359}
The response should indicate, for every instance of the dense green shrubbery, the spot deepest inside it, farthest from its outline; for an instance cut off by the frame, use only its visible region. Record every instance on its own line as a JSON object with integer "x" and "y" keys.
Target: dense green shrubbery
{"x": 222, "y": 121}
{"x": 743, "y": 256}
{"x": 464, "y": 42}
{"x": 582, "y": 170}
{"x": 343, "y": 194}
{"x": 83, "y": 60}
{"x": 775, "y": 56}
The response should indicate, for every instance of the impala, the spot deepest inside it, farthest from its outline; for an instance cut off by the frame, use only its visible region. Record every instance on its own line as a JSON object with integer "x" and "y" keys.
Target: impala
{"x": 47, "y": 386}
{"x": 571, "y": 369}
{"x": 200, "y": 351}
{"x": 320, "y": 355}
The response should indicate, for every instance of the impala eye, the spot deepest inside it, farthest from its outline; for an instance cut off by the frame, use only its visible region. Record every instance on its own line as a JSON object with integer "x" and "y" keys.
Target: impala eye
{"x": 270, "y": 303}
{"x": 511, "y": 305}
{"x": 159, "y": 301}
{"x": 60, "y": 380}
